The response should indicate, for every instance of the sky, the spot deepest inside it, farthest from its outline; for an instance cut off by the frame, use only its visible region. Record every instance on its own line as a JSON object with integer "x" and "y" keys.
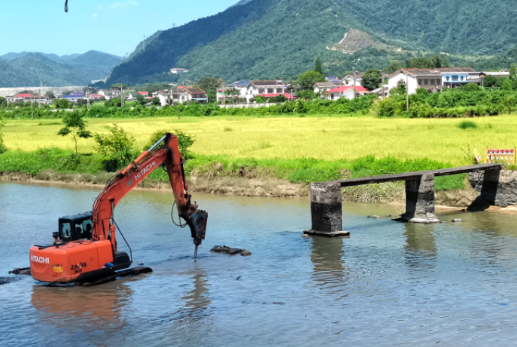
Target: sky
{"x": 114, "y": 27}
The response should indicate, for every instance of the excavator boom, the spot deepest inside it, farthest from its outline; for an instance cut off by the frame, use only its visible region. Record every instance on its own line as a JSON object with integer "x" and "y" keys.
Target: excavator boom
{"x": 73, "y": 258}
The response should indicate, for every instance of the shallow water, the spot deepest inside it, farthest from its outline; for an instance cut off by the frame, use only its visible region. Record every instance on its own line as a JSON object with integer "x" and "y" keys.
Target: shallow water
{"x": 390, "y": 284}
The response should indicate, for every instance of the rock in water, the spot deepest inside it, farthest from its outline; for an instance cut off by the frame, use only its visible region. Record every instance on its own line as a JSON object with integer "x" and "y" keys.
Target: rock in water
{"x": 457, "y": 220}
{"x": 230, "y": 250}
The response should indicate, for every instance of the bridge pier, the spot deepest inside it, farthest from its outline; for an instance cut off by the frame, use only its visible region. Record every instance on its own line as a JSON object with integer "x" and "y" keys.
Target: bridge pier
{"x": 327, "y": 210}
{"x": 420, "y": 200}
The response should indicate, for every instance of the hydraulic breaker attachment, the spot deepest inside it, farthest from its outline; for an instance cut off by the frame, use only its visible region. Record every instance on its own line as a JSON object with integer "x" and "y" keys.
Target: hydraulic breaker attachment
{"x": 197, "y": 223}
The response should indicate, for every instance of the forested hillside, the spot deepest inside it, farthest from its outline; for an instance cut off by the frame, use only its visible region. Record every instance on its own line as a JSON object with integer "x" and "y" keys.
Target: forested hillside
{"x": 30, "y": 69}
{"x": 282, "y": 38}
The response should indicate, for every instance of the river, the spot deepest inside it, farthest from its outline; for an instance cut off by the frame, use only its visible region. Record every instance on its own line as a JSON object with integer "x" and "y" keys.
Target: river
{"x": 389, "y": 284}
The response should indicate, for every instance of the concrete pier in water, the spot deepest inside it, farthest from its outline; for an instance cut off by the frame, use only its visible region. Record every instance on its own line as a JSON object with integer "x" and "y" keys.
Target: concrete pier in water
{"x": 326, "y": 197}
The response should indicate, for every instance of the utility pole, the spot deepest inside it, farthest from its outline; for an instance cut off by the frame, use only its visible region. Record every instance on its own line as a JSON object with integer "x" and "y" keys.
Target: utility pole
{"x": 121, "y": 96}
{"x": 407, "y": 92}
{"x": 224, "y": 93}
{"x": 382, "y": 84}
{"x": 355, "y": 91}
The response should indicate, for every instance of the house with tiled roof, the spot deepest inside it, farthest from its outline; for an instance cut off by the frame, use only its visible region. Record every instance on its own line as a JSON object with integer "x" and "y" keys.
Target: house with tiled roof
{"x": 416, "y": 78}
{"x": 197, "y": 94}
{"x": 322, "y": 88}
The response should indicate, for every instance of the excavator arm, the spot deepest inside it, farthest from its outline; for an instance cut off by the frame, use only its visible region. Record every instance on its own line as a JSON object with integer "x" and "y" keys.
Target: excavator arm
{"x": 167, "y": 156}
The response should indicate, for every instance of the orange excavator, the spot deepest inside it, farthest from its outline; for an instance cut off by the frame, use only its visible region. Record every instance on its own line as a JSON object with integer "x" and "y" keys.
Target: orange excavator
{"x": 85, "y": 247}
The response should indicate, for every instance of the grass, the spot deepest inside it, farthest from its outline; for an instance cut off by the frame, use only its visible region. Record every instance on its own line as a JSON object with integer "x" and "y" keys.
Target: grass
{"x": 322, "y": 138}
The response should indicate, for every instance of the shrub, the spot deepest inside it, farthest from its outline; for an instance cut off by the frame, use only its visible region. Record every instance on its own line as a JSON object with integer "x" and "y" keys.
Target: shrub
{"x": 116, "y": 147}
{"x": 471, "y": 87}
{"x": 467, "y": 125}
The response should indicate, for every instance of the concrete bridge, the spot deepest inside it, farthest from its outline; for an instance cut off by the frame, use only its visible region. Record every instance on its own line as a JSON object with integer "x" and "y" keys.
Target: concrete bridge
{"x": 326, "y": 197}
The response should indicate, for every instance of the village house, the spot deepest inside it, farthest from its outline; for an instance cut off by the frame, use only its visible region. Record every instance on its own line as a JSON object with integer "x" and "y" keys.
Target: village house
{"x": 321, "y": 88}
{"x": 178, "y": 71}
{"x": 197, "y": 94}
{"x": 24, "y": 97}
{"x": 458, "y": 76}
{"x": 266, "y": 87}
{"x": 346, "y": 92}
{"x": 348, "y": 80}
{"x": 502, "y": 73}
{"x": 333, "y": 79}
{"x": 416, "y": 78}
{"x": 241, "y": 86}
{"x": 73, "y": 97}
{"x": 110, "y": 93}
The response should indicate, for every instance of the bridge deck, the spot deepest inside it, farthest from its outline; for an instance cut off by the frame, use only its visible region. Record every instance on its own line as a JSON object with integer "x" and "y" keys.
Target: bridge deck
{"x": 416, "y": 175}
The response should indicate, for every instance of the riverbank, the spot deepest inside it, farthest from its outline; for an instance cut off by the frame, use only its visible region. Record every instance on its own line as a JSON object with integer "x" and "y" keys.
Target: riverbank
{"x": 387, "y": 193}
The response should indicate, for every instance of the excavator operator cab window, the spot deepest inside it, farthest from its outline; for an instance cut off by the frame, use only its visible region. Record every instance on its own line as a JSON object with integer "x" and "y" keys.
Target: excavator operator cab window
{"x": 75, "y": 227}
{"x": 66, "y": 231}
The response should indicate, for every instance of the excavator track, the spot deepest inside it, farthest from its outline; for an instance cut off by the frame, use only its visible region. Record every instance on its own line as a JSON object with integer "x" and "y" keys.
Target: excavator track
{"x": 99, "y": 280}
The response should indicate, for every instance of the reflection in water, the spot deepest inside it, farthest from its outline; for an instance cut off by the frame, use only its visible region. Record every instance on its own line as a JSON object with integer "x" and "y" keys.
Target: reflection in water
{"x": 421, "y": 245}
{"x": 326, "y": 257}
{"x": 88, "y": 309}
{"x": 197, "y": 299}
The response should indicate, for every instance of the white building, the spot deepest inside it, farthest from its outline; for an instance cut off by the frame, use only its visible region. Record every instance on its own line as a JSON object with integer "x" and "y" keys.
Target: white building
{"x": 416, "y": 78}
{"x": 178, "y": 71}
{"x": 266, "y": 87}
{"x": 348, "y": 80}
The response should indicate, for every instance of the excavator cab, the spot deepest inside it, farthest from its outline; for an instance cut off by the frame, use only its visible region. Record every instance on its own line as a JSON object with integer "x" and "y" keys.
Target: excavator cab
{"x": 72, "y": 228}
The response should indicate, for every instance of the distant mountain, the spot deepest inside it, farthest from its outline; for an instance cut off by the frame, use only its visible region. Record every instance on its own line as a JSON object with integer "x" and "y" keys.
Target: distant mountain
{"x": 29, "y": 69}
{"x": 282, "y": 38}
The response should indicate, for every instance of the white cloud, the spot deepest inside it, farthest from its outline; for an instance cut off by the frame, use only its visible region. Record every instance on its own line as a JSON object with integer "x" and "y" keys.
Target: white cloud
{"x": 118, "y": 5}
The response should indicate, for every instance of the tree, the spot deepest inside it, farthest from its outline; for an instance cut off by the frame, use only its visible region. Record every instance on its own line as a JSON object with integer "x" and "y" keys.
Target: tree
{"x": 419, "y": 63}
{"x": 114, "y": 102}
{"x": 437, "y": 62}
{"x": 50, "y": 95}
{"x": 307, "y": 79}
{"x": 117, "y": 86}
{"x": 63, "y": 103}
{"x": 400, "y": 89}
{"x": 446, "y": 62}
{"x": 3, "y": 102}
{"x": 318, "y": 68}
{"x": 156, "y": 101}
{"x": 512, "y": 72}
{"x": 210, "y": 84}
{"x": 116, "y": 147}
{"x": 507, "y": 84}
{"x": 140, "y": 98}
{"x": 395, "y": 65}
{"x": 306, "y": 94}
{"x": 372, "y": 79}
{"x": 75, "y": 126}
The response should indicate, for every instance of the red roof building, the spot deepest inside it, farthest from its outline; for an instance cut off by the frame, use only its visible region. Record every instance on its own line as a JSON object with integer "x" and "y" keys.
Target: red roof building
{"x": 346, "y": 92}
{"x": 287, "y": 96}
{"x": 342, "y": 89}
{"x": 24, "y": 96}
